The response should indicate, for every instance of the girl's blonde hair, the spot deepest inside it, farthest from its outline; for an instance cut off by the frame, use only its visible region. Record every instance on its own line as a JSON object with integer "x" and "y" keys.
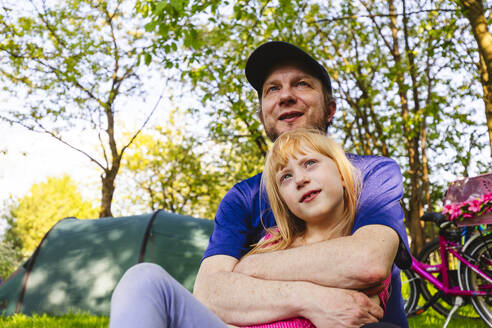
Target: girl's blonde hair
{"x": 288, "y": 225}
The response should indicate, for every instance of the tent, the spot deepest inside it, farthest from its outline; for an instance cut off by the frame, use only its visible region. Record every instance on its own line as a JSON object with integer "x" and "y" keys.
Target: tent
{"x": 79, "y": 262}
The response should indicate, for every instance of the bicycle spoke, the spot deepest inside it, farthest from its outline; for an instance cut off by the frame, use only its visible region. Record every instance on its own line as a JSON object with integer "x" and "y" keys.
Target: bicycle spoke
{"x": 479, "y": 250}
{"x": 431, "y": 255}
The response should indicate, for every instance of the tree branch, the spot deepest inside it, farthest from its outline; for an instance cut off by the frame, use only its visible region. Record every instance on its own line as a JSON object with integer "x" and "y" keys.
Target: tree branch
{"x": 146, "y": 120}
{"x": 52, "y": 134}
{"x": 378, "y": 28}
{"x": 417, "y": 12}
{"x": 46, "y": 23}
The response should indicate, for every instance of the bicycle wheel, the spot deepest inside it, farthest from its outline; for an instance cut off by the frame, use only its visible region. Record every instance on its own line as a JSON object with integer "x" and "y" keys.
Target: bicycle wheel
{"x": 430, "y": 255}
{"x": 409, "y": 290}
{"x": 480, "y": 250}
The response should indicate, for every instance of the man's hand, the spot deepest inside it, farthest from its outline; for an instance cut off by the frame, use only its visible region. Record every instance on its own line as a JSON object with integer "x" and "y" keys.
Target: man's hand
{"x": 359, "y": 261}
{"x": 334, "y": 307}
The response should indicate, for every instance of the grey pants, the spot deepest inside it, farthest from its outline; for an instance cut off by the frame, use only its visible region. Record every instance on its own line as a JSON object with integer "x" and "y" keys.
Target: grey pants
{"x": 147, "y": 296}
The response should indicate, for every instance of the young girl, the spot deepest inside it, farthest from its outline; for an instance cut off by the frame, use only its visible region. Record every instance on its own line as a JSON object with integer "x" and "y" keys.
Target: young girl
{"x": 313, "y": 190}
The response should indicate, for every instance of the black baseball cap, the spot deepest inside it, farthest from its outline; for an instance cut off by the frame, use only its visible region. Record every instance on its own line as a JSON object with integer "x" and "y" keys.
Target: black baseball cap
{"x": 271, "y": 53}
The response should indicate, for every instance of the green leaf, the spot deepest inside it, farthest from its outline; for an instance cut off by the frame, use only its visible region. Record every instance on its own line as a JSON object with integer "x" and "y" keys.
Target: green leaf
{"x": 148, "y": 58}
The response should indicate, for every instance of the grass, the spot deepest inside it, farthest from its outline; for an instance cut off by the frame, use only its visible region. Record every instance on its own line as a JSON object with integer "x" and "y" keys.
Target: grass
{"x": 429, "y": 319}
{"x": 45, "y": 321}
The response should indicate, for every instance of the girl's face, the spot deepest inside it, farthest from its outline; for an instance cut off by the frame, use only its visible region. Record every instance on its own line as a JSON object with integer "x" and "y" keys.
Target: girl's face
{"x": 312, "y": 188}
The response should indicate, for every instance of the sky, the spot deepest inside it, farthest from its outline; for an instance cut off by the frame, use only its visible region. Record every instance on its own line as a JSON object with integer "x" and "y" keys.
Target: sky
{"x": 29, "y": 157}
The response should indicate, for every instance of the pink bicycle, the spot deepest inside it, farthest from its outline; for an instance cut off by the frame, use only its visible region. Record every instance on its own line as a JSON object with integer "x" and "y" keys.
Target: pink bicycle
{"x": 454, "y": 273}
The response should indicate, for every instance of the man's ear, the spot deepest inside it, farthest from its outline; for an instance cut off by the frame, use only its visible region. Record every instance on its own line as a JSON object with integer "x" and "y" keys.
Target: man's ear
{"x": 259, "y": 112}
{"x": 332, "y": 107}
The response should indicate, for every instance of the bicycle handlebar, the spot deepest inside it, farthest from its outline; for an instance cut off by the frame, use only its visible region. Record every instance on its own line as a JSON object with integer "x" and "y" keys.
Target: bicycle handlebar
{"x": 436, "y": 217}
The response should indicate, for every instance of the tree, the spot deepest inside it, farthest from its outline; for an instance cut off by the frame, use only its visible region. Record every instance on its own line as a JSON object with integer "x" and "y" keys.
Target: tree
{"x": 392, "y": 64}
{"x": 474, "y": 11}
{"x": 394, "y": 53}
{"x": 45, "y": 204}
{"x": 10, "y": 245}
{"x": 9, "y": 258}
{"x": 177, "y": 169}
{"x": 74, "y": 63}
{"x": 210, "y": 52}
{"x": 170, "y": 172}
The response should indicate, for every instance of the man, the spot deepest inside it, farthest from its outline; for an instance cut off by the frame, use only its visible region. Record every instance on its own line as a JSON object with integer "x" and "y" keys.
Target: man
{"x": 295, "y": 91}
{"x": 324, "y": 282}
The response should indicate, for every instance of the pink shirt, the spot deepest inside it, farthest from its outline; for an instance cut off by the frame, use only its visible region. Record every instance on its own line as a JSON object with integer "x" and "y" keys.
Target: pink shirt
{"x": 289, "y": 323}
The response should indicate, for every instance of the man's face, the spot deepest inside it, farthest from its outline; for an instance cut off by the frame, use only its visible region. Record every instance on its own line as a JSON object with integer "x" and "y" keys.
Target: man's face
{"x": 291, "y": 99}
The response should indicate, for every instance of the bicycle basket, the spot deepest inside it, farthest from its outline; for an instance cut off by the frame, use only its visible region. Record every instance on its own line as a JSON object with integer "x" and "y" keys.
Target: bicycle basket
{"x": 461, "y": 193}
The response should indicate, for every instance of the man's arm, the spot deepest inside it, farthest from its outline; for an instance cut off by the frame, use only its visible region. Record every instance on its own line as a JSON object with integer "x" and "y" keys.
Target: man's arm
{"x": 359, "y": 261}
{"x": 242, "y": 300}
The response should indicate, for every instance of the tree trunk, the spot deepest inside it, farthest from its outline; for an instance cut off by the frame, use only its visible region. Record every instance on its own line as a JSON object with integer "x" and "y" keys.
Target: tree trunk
{"x": 430, "y": 234}
{"x": 415, "y": 206}
{"x": 414, "y": 210}
{"x": 109, "y": 175}
{"x": 418, "y": 141}
{"x": 107, "y": 179}
{"x": 475, "y": 13}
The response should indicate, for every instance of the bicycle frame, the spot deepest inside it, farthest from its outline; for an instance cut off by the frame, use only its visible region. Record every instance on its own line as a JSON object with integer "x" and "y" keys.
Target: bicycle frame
{"x": 447, "y": 247}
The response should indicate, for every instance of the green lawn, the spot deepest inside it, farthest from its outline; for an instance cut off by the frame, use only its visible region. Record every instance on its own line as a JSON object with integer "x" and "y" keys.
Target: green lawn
{"x": 44, "y": 321}
{"x": 431, "y": 319}
{"x": 428, "y": 319}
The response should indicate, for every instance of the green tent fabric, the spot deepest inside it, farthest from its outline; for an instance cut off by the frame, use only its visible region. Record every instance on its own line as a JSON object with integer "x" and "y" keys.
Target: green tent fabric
{"x": 78, "y": 264}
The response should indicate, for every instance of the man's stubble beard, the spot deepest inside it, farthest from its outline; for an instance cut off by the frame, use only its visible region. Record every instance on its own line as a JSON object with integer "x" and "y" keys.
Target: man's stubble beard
{"x": 320, "y": 125}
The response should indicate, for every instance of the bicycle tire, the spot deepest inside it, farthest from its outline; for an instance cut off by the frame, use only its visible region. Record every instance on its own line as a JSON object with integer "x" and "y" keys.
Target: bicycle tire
{"x": 430, "y": 255}
{"x": 480, "y": 250}
{"x": 409, "y": 290}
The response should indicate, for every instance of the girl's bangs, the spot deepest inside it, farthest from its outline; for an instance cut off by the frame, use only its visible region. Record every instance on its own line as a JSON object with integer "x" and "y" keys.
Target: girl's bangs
{"x": 289, "y": 147}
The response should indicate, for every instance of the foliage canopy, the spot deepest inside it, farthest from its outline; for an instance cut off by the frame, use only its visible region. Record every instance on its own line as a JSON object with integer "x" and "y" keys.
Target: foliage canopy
{"x": 170, "y": 169}
{"x": 401, "y": 72}
{"x": 45, "y": 204}
{"x": 72, "y": 65}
